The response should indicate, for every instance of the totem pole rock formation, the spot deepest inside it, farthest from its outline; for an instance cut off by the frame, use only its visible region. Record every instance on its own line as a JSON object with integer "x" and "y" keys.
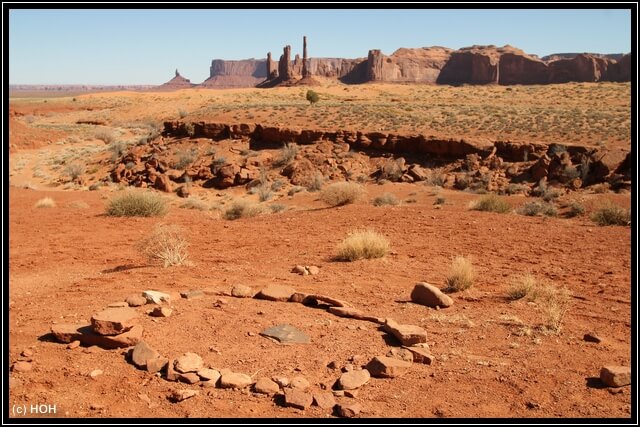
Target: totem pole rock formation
{"x": 305, "y": 58}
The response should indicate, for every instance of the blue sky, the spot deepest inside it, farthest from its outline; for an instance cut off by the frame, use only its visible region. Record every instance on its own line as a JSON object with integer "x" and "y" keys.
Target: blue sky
{"x": 146, "y": 46}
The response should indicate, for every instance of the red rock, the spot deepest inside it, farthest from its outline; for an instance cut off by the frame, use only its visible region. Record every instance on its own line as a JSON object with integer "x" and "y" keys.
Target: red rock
{"x": 242, "y": 291}
{"x": 349, "y": 411}
{"x": 353, "y": 379}
{"x": 136, "y": 300}
{"x": 161, "y": 312}
{"x": 141, "y": 353}
{"x": 114, "y": 321}
{"x": 421, "y": 355}
{"x": 387, "y": 367}
{"x": 172, "y": 375}
{"x": 429, "y": 295}
{"x": 407, "y": 334}
{"x": 21, "y": 366}
{"x": 324, "y": 400}
{"x": 297, "y": 398}
{"x": 177, "y": 82}
{"x": 235, "y": 380}
{"x": 189, "y": 378}
{"x": 266, "y": 386}
{"x": 300, "y": 383}
{"x": 180, "y": 395}
{"x": 616, "y": 376}
{"x": 163, "y": 183}
{"x": 276, "y": 293}
{"x": 189, "y": 362}
{"x": 157, "y": 364}
{"x": 209, "y": 374}
{"x": 66, "y": 333}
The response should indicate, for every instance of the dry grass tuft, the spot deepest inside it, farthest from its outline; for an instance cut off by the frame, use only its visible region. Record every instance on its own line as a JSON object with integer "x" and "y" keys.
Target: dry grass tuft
{"x": 78, "y": 204}
{"x": 461, "y": 275}
{"x": 386, "y": 199}
{"x": 341, "y": 193}
{"x": 166, "y": 246}
{"x": 491, "y": 203}
{"x": 133, "y": 203}
{"x": 610, "y": 214}
{"x": 47, "y": 202}
{"x": 554, "y": 303}
{"x": 242, "y": 208}
{"x": 365, "y": 244}
{"x": 522, "y": 286}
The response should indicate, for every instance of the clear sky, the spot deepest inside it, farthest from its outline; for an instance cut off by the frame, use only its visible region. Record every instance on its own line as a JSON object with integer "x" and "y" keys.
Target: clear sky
{"x": 146, "y": 46}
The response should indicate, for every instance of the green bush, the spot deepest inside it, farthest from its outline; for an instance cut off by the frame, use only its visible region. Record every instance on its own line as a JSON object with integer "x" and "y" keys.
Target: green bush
{"x": 133, "y": 203}
{"x": 312, "y": 97}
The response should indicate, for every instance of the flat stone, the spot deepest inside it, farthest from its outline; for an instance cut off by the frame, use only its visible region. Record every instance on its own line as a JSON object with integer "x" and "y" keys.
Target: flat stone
{"x": 351, "y": 393}
{"x": 592, "y": 337}
{"x": 345, "y": 312}
{"x": 141, "y": 353}
{"x": 313, "y": 270}
{"x": 84, "y": 333}
{"x": 276, "y": 293}
{"x": 298, "y": 297}
{"x": 281, "y": 381}
{"x": 408, "y": 335}
{"x": 136, "y": 300}
{"x": 421, "y": 354}
{"x": 299, "y": 269}
{"x": 387, "y": 367}
{"x": 348, "y": 411}
{"x": 427, "y": 294}
{"x": 286, "y": 334}
{"x": 21, "y": 366}
{"x": 27, "y": 353}
{"x": 172, "y": 375}
{"x": 401, "y": 353}
{"x": 353, "y": 379}
{"x": 161, "y": 312}
{"x": 114, "y": 321}
{"x": 157, "y": 364}
{"x": 189, "y": 362}
{"x": 118, "y": 304}
{"x": 266, "y": 386}
{"x": 180, "y": 395}
{"x": 300, "y": 383}
{"x": 235, "y": 380}
{"x": 209, "y": 374}
{"x": 192, "y": 294}
{"x": 242, "y": 291}
{"x": 189, "y": 378}
{"x": 297, "y": 398}
{"x": 209, "y": 384}
{"x": 156, "y": 297}
{"x": 338, "y": 393}
{"x": 95, "y": 373}
{"x": 324, "y": 399}
{"x": 616, "y": 376}
{"x": 73, "y": 344}
{"x": 312, "y": 299}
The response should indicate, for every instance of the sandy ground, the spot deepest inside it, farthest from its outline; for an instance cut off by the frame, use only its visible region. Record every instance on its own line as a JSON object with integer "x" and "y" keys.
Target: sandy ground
{"x": 493, "y": 358}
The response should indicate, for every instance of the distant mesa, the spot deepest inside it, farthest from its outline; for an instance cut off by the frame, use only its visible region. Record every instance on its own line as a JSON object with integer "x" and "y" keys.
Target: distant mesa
{"x": 475, "y": 65}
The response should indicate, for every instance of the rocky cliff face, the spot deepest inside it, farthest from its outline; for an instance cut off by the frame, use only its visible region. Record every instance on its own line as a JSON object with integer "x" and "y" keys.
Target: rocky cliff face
{"x": 242, "y": 73}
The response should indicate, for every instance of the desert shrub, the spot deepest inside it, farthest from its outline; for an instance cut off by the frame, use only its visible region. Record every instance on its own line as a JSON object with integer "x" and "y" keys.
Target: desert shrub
{"x": 436, "y": 179}
{"x": 264, "y": 193}
{"x": 312, "y": 96}
{"x": 554, "y": 303}
{"x": 516, "y": 189}
{"x": 277, "y": 185}
{"x": 462, "y": 182}
{"x": 610, "y": 214}
{"x": 439, "y": 200}
{"x": 461, "y": 275}
{"x": 219, "y": 161}
{"x": 365, "y": 244}
{"x": 190, "y": 129}
{"x": 491, "y": 203}
{"x": 391, "y": 171}
{"x": 570, "y": 173}
{"x": 46, "y": 202}
{"x": 277, "y": 207}
{"x": 522, "y": 286}
{"x": 575, "y": 209}
{"x": 286, "y": 155}
{"x": 117, "y": 148}
{"x": 185, "y": 158}
{"x": 535, "y": 208}
{"x": 74, "y": 170}
{"x": 78, "y": 204}
{"x": 242, "y": 208}
{"x": 194, "y": 204}
{"x": 183, "y": 113}
{"x": 133, "y": 203}
{"x": 550, "y": 194}
{"x": 386, "y": 199}
{"x": 294, "y": 190}
{"x": 106, "y": 136}
{"x": 316, "y": 182}
{"x": 341, "y": 193}
{"x": 166, "y": 246}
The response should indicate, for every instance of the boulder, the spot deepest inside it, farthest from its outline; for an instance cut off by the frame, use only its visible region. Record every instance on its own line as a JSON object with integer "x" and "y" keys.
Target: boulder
{"x": 235, "y": 380}
{"x": 141, "y": 353}
{"x": 348, "y": 411}
{"x": 297, "y": 398}
{"x": 353, "y": 380}
{"x": 276, "y": 293}
{"x": 429, "y": 295}
{"x": 136, "y": 300}
{"x": 242, "y": 291}
{"x": 324, "y": 400}
{"x": 266, "y": 386}
{"x": 189, "y": 362}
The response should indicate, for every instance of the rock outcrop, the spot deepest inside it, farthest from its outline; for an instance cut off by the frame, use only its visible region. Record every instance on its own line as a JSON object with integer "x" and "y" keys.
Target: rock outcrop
{"x": 230, "y": 74}
{"x": 177, "y": 82}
